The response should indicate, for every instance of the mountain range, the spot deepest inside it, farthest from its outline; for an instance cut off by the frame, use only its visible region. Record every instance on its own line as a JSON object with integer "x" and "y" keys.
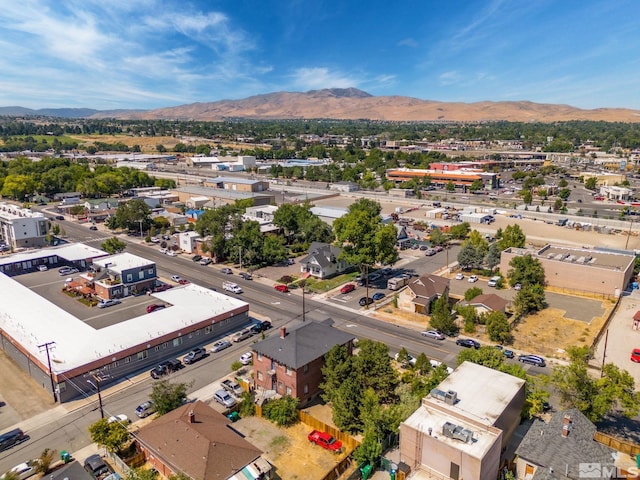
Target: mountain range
{"x": 348, "y": 104}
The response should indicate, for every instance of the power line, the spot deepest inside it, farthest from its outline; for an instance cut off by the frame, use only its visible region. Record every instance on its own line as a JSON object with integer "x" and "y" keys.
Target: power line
{"x": 48, "y": 346}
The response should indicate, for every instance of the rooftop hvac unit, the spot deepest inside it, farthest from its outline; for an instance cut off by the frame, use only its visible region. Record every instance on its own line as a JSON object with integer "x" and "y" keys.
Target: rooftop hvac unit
{"x": 457, "y": 432}
{"x": 449, "y": 397}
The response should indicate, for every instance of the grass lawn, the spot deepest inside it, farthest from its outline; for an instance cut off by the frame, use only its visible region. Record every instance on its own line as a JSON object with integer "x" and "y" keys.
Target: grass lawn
{"x": 319, "y": 286}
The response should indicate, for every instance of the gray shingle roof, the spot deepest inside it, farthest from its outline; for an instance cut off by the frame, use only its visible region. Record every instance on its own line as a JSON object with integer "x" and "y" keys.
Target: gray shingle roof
{"x": 302, "y": 345}
{"x": 544, "y": 445}
{"x": 323, "y": 253}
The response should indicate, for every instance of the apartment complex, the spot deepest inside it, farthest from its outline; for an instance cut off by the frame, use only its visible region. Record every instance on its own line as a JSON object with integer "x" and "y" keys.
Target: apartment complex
{"x": 22, "y": 228}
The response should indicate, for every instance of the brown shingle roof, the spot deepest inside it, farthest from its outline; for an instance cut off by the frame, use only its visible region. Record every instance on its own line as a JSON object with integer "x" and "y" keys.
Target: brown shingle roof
{"x": 429, "y": 286}
{"x": 490, "y": 300}
{"x": 207, "y": 449}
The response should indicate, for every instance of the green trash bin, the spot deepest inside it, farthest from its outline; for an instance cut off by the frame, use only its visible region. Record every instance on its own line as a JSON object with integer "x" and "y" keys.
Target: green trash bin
{"x": 65, "y": 456}
{"x": 638, "y": 461}
{"x": 365, "y": 471}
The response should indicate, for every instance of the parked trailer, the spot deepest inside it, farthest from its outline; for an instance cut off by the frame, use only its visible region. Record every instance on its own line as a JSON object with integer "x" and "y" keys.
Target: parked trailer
{"x": 396, "y": 283}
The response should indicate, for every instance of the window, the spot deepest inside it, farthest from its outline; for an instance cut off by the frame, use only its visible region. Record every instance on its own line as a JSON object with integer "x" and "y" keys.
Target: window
{"x": 62, "y": 387}
{"x": 127, "y": 359}
{"x": 156, "y": 348}
{"x": 259, "y": 355}
{"x": 260, "y": 376}
{"x": 129, "y": 278}
{"x": 150, "y": 272}
{"x": 289, "y": 371}
{"x": 115, "y": 364}
{"x": 306, "y": 388}
{"x": 140, "y": 274}
{"x": 142, "y": 355}
{"x": 165, "y": 344}
{"x": 305, "y": 369}
{"x": 279, "y": 385}
{"x": 177, "y": 342}
{"x": 197, "y": 332}
{"x": 288, "y": 390}
{"x": 208, "y": 329}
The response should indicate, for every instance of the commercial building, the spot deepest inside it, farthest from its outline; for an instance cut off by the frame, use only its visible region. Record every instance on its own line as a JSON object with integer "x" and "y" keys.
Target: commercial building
{"x": 461, "y": 178}
{"x": 59, "y": 349}
{"x": 22, "y": 228}
{"x": 75, "y": 255}
{"x": 461, "y": 429}
{"x": 238, "y": 184}
{"x": 220, "y": 196}
{"x": 579, "y": 269}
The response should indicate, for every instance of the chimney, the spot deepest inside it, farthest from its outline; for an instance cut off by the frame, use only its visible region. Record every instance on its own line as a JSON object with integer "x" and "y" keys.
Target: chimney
{"x": 192, "y": 417}
{"x": 283, "y": 332}
{"x": 566, "y": 426}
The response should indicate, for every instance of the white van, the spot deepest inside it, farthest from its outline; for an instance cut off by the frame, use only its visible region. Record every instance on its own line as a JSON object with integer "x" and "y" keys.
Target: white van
{"x": 231, "y": 287}
{"x": 493, "y": 281}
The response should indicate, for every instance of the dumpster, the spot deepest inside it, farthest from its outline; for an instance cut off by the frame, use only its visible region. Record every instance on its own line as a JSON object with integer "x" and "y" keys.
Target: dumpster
{"x": 233, "y": 416}
{"x": 65, "y": 456}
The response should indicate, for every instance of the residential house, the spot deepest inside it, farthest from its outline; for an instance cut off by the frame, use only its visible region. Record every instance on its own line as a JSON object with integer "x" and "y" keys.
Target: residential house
{"x": 559, "y": 449}
{"x": 187, "y": 241}
{"x": 121, "y": 275}
{"x": 487, "y": 303}
{"x": 462, "y": 427}
{"x": 422, "y": 292}
{"x": 291, "y": 363}
{"x": 322, "y": 261}
{"x": 199, "y": 442}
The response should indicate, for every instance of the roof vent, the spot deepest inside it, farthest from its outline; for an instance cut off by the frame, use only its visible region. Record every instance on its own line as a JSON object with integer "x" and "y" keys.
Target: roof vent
{"x": 456, "y": 432}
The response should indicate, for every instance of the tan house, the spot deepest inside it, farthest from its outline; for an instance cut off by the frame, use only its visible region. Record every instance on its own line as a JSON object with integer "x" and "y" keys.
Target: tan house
{"x": 198, "y": 441}
{"x": 587, "y": 270}
{"x": 422, "y": 292}
{"x": 487, "y": 303}
{"x": 323, "y": 261}
{"x": 461, "y": 429}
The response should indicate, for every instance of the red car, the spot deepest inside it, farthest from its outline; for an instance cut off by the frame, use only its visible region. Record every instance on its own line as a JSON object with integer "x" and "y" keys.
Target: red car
{"x": 183, "y": 281}
{"x": 635, "y": 355}
{"x": 153, "y": 307}
{"x": 349, "y": 287}
{"x": 282, "y": 288}
{"x": 325, "y": 441}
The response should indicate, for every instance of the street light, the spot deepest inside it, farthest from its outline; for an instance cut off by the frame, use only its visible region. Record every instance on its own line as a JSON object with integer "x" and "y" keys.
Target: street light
{"x": 97, "y": 387}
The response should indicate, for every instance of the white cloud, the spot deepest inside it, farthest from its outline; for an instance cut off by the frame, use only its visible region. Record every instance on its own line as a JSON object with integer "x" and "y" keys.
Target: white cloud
{"x": 314, "y": 78}
{"x": 408, "y": 42}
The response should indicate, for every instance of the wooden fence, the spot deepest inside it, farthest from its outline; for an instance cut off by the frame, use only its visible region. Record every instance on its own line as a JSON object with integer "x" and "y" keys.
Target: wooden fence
{"x": 348, "y": 442}
{"x": 624, "y": 446}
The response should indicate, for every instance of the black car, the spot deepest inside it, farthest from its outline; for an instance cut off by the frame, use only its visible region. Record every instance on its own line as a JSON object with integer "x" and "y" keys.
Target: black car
{"x": 165, "y": 368}
{"x": 196, "y": 258}
{"x": 11, "y": 438}
{"x": 467, "y": 343}
{"x": 261, "y": 326}
{"x": 246, "y": 276}
{"x": 365, "y": 301}
{"x": 96, "y": 467}
{"x": 195, "y": 355}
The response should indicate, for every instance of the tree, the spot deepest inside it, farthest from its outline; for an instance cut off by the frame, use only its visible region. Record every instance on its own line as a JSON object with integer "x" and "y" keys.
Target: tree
{"x": 45, "y": 461}
{"x": 450, "y": 187}
{"x": 133, "y": 215}
{"x": 167, "y": 396}
{"x": 487, "y": 356}
{"x": 111, "y": 436}
{"x": 282, "y": 411}
{"x": 113, "y": 245}
{"x": 492, "y": 258}
{"x": 437, "y": 237}
{"x": 441, "y": 318}
{"x": 403, "y": 357}
{"x": 369, "y": 450}
{"x": 373, "y": 369}
{"x": 141, "y": 473}
{"x": 215, "y": 224}
{"x": 527, "y": 196}
{"x": 526, "y": 270}
{"x": 366, "y": 240}
{"x": 530, "y": 298}
{"x": 594, "y": 397}
{"x": 472, "y": 293}
{"x": 564, "y": 193}
{"x": 337, "y": 368}
{"x": 460, "y": 230}
{"x": 469, "y": 256}
{"x": 591, "y": 183}
{"x": 512, "y": 236}
{"x": 498, "y": 327}
{"x": 558, "y": 204}
{"x": 160, "y": 148}
{"x": 18, "y": 187}
{"x": 476, "y": 186}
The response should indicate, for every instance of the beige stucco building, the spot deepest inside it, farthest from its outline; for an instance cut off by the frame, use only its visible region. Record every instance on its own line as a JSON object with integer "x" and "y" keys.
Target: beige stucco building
{"x": 461, "y": 428}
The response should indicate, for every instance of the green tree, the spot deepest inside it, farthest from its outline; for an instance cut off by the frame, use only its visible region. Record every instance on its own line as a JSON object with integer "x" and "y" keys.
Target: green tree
{"x": 369, "y": 450}
{"x": 423, "y": 365}
{"x": 45, "y": 461}
{"x": 141, "y": 473}
{"x": 487, "y": 356}
{"x": 337, "y": 368}
{"x": 526, "y": 270}
{"x": 472, "y": 293}
{"x": 111, "y": 436}
{"x": 450, "y": 187}
{"x": 161, "y": 148}
{"x": 512, "y": 236}
{"x": 527, "y": 196}
{"x": 558, "y": 204}
{"x": 437, "y": 237}
{"x": 492, "y": 258}
{"x": 469, "y": 256}
{"x": 167, "y": 396}
{"x": 113, "y": 245}
{"x": 133, "y": 215}
{"x": 282, "y": 411}
{"x": 564, "y": 193}
{"x": 18, "y": 187}
{"x": 460, "y": 230}
{"x": 215, "y": 224}
{"x": 476, "y": 186}
{"x": 530, "y": 298}
{"x": 441, "y": 318}
{"x": 373, "y": 369}
{"x": 594, "y": 397}
{"x": 498, "y": 327}
{"x": 366, "y": 240}
{"x": 591, "y": 183}
{"x": 403, "y": 357}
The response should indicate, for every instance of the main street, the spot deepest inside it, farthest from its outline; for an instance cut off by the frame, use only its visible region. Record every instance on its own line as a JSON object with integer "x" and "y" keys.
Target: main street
{"x": 68, "y": 431}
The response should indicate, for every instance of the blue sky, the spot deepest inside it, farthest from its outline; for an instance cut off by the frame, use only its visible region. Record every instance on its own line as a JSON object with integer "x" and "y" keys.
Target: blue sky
{"x": 109, "y": 54}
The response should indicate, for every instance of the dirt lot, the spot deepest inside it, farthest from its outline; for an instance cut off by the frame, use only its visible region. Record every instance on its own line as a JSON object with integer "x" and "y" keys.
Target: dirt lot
{"x": 288, "y": 449}
{"x": 147, "y": 144}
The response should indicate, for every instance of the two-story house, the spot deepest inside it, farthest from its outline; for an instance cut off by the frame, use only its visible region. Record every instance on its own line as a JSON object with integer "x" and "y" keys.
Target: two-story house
{"x": 422, "y": 292}
{"x": 323, "y": 261}
{"x": 121, "y": 275}
{"x": 291, "y": 363}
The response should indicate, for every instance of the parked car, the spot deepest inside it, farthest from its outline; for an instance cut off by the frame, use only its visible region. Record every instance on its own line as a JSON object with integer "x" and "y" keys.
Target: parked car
{"x": 365, "y": 301}
{"x": 171, "y": 253}
{"x": 459, "y": 276}
{"x": 226, "y": 271}
{"x": 67, "y": 271}
{"x": 122, "y": 418}
{"x": 176, "y": 278}
{"x": 246, "y": 358}
{"x": 261, "y": 326}
{"x": 145, "y": 409}
{"x": 438, "y": 248}
{"x": 195, "y": 355}
{"x": 206, "y": 261}
{"x": 374, "y": 277}
{"x": 109, "y": 302}
{"x": 386, "y": 271}
{"x": 349, "y": 287}
{"x": 325, "y": 440}
{"x": 430, "y": 252}
{"x": 155, "y": 306}
{"x": 517, "y": 286}
{"x": 534, "y": 360}
{"x": 196, "y": 258}
{"x": 220, "y": 345}
{"x": 245, "y": 275}
{"x": 224, "y": 399}
{"x": 42, "y": 268}
{"x": 184, "y": 281}
{"x": 509, "y": 353}
{"x": 433, "y": 334}
{"x": 467, "y": 343}
{"x": 93, "y": 227}
{"x": 473, "y": 279}
{"x": 23, "y": 471}
{"x": 282, "y": 288}
{"x": 165, "y": 368}
{"x": 493, "y": 281}
{"x": 242, "y": 335}
{"x": 635, "y": 355}
{"x": 377, "y": 296}
{"x": 96, "y": 467}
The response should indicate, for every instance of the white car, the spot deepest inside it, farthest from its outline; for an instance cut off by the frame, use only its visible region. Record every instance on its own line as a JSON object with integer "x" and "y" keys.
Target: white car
{"x": 42, "y": 268}
{"x": 246, "y": 358}
{"x": 459, "y": 276}
{"x": 24, "y": 470}
{"x": 109, "y": 302}
{"x": 473, "y": 279}
{"x": 176, "y": 278}
{"x": 119, "y": 418}
{"x": 171, "y": 253}
{"x": 433, "y": 334}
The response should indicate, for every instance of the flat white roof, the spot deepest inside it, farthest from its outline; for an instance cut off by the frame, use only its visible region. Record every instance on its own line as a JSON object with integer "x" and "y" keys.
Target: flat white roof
{"x": 122, "y": 261}
{"x": 33, "y": 320}
{"x": 71, "y": 252}
{"x": 483, "y": 393}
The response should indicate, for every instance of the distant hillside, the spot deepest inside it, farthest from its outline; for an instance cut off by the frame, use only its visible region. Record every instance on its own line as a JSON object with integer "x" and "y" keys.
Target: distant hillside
{"x": 348, "y": 104}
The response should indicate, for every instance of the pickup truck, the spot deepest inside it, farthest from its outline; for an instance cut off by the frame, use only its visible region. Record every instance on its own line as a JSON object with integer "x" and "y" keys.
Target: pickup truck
{"x": 325, "y": 441}
{"x": 232, "y": 387}
{"x": 165, "y": 368}
{"x": 231, "y": 287}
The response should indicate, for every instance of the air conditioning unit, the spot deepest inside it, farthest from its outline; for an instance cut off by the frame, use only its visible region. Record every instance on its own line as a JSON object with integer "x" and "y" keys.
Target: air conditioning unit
{"x": 456, "y": 432}
{"x": 449, "y": 397}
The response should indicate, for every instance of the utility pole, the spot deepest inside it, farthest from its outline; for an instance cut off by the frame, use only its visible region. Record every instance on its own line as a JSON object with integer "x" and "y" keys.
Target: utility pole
{"x": 366, "y": 282}
{"x": 47, "y": 346}
{"x": 96, "y": 385}
{"x": 240, "y": 248}
{"x": 304, "y": 310}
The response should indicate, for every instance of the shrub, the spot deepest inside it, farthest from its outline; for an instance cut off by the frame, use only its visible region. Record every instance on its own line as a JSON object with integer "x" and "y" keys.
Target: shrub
{"x": 286, "y": 279}
{"x": 282, "y": 411}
